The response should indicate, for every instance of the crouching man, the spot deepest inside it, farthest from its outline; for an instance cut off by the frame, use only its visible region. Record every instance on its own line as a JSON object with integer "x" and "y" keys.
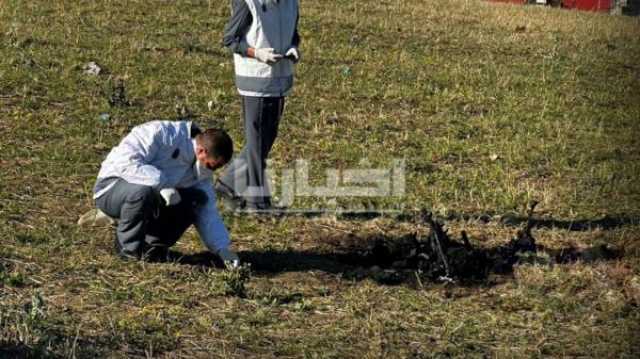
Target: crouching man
{"x": 157, "y": 182}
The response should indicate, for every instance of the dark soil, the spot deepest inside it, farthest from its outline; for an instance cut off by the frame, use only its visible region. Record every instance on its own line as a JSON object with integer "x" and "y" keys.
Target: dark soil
{"x": 435, "y": 256}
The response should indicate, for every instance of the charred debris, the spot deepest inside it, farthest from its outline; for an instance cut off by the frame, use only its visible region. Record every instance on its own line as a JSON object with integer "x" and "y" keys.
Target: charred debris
{"x": 431, "y": 254}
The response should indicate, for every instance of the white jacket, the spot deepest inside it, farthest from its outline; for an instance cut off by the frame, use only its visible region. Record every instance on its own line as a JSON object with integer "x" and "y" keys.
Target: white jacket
{"x": 161, "y": 154}
{"x": 273, "y": 26}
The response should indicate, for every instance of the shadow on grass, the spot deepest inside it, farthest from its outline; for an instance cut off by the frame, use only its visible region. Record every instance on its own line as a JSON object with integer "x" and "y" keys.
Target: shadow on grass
{"x": 19, "y": 350}
{"x": 54, "y": 344}
{"x": 388, "y": 261}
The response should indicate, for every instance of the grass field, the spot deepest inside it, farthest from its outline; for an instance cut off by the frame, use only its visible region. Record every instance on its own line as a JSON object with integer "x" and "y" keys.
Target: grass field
{"x": 491, "y": 106}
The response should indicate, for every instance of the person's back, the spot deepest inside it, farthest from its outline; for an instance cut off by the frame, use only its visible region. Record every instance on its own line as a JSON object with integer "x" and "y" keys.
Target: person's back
{"x": 150, "y": 154}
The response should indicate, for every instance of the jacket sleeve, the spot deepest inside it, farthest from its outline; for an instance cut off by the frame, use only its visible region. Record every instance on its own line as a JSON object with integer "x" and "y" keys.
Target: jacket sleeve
{"x": 237, "y": 27}
{"x": 295, "y": 41}
{"x": 135, "y": 153}
{"x": 208, "y": 222}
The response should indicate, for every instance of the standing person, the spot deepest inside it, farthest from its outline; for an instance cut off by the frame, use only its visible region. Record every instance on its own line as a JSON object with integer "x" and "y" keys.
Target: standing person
{"x": 157, "y": 182}
{"x": 263, "y": 37}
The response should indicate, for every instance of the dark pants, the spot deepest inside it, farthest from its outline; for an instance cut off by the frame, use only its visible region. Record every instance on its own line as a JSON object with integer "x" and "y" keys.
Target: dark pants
{"x": 245, "y": 174}
{"x": 143, "y": 219}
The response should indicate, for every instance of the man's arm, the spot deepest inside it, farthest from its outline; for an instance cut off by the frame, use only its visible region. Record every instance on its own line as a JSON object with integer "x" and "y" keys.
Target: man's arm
{"x": 212, "y": 230}
{"x": 237, "y": 27}
{"x": 295, "y": 41}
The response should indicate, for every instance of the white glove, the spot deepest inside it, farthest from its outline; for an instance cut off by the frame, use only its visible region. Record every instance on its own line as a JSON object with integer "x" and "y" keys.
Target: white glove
{"x": 267, "y": 55}
{"x": 229, "y": 257}
{"x": 293, "y": 54}
{"x": 171, "y": 196}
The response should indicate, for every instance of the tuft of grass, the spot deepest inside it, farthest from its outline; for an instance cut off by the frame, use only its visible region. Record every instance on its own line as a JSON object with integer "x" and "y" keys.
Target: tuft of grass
{"x": 231, "y": 281}
{"x": 234, "y": 280}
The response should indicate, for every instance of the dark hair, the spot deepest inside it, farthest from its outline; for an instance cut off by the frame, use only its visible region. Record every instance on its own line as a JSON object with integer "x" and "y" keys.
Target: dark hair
{"x": 217, "y": 143}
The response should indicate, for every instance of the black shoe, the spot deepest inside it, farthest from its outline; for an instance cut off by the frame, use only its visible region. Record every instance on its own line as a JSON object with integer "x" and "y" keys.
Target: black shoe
{"x": 124, "y": 254}
{"x": 231, "y": 202}
{"x": 156, "y": 254}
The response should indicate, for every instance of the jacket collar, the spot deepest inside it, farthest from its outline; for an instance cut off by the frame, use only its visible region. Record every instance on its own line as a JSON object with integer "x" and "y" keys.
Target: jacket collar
{"x": 192, "y": 152}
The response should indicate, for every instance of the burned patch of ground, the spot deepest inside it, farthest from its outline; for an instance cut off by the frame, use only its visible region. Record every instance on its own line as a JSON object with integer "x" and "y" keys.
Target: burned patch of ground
{"x": 436, "y": 256}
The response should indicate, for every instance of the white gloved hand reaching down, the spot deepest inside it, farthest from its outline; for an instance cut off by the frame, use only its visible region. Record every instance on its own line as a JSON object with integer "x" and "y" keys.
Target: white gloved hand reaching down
{"x": 229, "y": 257}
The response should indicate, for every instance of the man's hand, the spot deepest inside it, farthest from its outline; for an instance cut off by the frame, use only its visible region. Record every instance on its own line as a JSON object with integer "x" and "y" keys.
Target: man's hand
{"x": 293, "y": 54}
{"x": 170, "y": 196}
{"x": 267, "y": 55}
{"x": 229, "y": 257}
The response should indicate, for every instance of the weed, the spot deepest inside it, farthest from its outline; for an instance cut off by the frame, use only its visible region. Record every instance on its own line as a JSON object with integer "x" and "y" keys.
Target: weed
{"x": 234, "y": 280}
{"x": 12, "y": 279}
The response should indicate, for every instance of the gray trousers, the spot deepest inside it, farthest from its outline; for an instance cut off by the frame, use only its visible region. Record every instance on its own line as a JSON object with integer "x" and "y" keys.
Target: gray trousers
{"x": 246, "y": 172}
{"x": 143, "y": 219}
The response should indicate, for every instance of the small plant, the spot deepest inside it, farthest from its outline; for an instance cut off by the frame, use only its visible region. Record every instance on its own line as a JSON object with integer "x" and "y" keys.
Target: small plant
{"x": 234, "y": 280}
{"x": 118, "y": 97}
{"x": 35, "y": 309}
{"x": 15, "y": 279}
{"x": 26, "y": 322}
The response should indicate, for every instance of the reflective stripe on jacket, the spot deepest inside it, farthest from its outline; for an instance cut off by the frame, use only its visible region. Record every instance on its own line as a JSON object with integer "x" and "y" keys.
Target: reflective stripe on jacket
{"x": 273, "y": 26}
